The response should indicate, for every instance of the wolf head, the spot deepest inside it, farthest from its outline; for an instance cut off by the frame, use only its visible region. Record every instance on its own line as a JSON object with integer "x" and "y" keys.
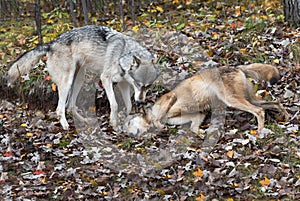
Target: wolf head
{"x": 136, "y": 124}
{"x": 140, "y": 73}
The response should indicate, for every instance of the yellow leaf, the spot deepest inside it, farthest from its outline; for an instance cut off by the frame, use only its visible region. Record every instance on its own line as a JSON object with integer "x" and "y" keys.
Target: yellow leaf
{"x": 230, "y": 154}
{"x": 93, "y": 182}
{"x": 209, "y": 52}
{"x": 160, "y": 9}
{"x": 147, "y": 23}
{"x": 201, "y": 197}
{"x": 253, "y": 132}
{"x": 135, "y": 28}
{"x": 198, "y": 173}
{"x": 160, "y": 191}
{"x": 265, "y": 182}
{"x": 28, "y": 134}
{"x": 215, "y": 36}
{"x": 50, "y": 21}
{"x": 43, "y": 180}
{"x": 243, "y": 50}
{"x": 159, "y": 25}
{"x": 230, "y": 199}
{"x": 94, "y": 19}
{"x": 140, "y": 149}
{"x": 53, "y": 86}
{"x": 264, "y": 17}
{"x": 276, "y": 61}
{"x": 24, "y": 125}
{"x": 1, "y": 116}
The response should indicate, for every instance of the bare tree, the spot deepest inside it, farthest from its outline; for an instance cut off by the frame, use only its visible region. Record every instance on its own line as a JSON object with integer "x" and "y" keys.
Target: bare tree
{"x": 132, "y": 13}
{"x": 121, "y": 10}
{"x": 38, "y": 20}
{"x": 292, "y": 11}
{"x": 72, "y": 8}
{"x": 85, "y": 12}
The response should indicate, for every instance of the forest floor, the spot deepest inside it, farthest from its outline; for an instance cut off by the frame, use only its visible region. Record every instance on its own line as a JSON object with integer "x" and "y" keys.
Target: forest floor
{"x": 41, "y": 161}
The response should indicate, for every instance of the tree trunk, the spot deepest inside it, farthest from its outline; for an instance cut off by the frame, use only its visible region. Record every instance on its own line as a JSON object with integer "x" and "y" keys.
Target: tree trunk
{"x": 291, "y": 10}
{"x": 121, "y": 10}
{"x": 38, "y": 20}
{"x": 85, "y": 12}
{"x": 72, "y": 8}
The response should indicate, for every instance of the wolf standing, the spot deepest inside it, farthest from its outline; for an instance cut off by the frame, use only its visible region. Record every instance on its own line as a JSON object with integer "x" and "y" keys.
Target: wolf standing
{"x": 115, "y": 57}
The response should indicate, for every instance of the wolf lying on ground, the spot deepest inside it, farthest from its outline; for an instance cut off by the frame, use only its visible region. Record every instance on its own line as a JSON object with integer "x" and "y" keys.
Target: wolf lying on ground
{"x": 115, "y": 57}
{"x": 190, "y": 100}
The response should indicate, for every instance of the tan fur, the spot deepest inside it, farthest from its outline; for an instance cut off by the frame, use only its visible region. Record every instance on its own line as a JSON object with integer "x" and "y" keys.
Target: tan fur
{"x": 191, "y": 99}
{"x": 261, "y": 72}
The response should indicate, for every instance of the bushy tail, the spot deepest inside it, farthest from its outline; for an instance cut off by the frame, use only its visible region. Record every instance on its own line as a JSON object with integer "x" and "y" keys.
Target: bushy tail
{"x": 261, "y": 72}
{"x": 26, "y": 62}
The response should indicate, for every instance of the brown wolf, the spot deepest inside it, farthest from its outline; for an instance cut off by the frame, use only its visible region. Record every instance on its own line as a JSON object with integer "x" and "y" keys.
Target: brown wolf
{"x": 191, "y": 99}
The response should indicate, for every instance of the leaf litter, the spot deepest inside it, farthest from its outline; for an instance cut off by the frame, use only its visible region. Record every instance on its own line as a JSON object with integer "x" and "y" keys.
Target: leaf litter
{"x": 40, "y": 161}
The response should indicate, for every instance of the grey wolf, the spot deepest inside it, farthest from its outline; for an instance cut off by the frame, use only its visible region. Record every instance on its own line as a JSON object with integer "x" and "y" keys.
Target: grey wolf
{"x": 193, "y": 97}
{"x": 117, "y": 58}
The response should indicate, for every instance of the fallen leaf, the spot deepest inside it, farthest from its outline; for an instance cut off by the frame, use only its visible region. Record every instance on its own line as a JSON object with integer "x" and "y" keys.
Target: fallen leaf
{"x": 38, "y": 172}
{"x": 160, "y": 9}
{"x": 230, "y": 154}
{"x": 8, "y": 154}
{"x": 265, "y": 181}
{"x": 53, "y": 87}
{"x": 276, "y": 61}
{"x": 201, "y": 197}
{"x": 29, "y": 134}
{"x": 24, "y": 125}
{"x": 198, "y": 173}
{"x": 47, "y": 78}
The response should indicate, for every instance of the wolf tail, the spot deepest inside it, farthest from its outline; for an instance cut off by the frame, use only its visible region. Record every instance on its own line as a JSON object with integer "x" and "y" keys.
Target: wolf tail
{"x": 261, "y": 72}
{"x": 26, "y": 62}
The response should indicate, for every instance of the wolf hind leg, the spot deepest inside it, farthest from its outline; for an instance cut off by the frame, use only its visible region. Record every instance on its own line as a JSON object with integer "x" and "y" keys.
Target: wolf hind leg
{"x": 64, "y": 82}
{"x": 271, "y": 105}
{"x": 241, "y": 103}
{"x": 267, "y": 105}
{"x": 76, "y": 87}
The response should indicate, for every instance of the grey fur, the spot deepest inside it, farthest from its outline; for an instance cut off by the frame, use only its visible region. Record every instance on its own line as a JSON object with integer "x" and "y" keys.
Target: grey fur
{"x": 117, "y": 58}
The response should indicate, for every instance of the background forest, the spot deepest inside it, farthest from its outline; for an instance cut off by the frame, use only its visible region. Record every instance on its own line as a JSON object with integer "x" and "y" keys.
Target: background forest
{"x": 40, "y": 161}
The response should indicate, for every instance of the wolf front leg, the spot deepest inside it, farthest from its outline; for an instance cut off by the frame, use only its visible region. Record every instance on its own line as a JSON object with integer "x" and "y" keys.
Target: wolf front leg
{"x": 108, "y": 87}
{"x": 125, "y": 91}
